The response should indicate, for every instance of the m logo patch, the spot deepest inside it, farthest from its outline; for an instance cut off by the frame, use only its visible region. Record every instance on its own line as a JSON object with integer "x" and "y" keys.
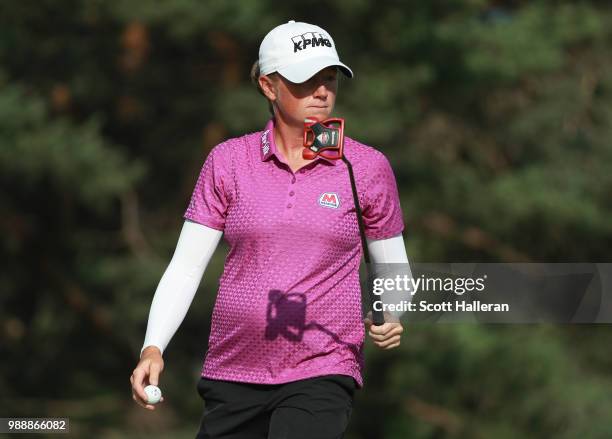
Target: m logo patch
{"x": 329, "y": 199}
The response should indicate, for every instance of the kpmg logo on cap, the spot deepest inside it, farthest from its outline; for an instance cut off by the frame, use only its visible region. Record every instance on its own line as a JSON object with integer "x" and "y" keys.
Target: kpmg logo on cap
{"x": 309, "y": 39}
{"x": 329, "y": 199}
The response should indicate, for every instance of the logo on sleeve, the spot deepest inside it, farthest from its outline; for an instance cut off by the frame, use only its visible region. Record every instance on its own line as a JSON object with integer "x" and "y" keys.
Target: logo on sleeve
{"x": 309, "y": 39}
{"x": 329, "y": 199}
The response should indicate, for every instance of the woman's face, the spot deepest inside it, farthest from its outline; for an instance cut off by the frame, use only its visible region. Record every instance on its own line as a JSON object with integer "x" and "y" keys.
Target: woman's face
{"x": 313, "y": 98}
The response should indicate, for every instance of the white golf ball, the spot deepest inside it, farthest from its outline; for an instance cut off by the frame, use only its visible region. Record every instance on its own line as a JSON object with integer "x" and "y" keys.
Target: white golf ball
{"x": 153, "y": 394}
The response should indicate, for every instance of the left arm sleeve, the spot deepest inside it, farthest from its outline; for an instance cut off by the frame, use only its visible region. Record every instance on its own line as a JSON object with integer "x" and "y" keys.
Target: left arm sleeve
{"x": 382, "y": 213}
{"x": 392, "y": 251}
{"x": 388, "y": 251}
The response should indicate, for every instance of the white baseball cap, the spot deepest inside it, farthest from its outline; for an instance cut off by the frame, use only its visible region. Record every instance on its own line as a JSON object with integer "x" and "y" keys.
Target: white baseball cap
{"x": 298, "y": 51}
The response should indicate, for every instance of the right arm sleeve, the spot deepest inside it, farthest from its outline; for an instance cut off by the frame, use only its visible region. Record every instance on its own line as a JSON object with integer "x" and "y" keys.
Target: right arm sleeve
{"x": 180, "y": 281}
{"x": 213, "y": 192}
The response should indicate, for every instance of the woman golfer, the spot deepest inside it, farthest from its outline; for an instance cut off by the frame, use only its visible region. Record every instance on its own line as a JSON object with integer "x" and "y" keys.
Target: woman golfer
{"x": 285, "y": 352}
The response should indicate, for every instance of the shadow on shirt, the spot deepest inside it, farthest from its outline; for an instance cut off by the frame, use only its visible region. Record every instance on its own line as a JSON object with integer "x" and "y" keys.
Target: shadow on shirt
{"x": 286, "y": 316}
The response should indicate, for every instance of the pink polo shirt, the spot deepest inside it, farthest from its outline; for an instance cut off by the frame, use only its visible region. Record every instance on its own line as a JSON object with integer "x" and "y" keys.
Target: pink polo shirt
{"x": 289, "y": 301}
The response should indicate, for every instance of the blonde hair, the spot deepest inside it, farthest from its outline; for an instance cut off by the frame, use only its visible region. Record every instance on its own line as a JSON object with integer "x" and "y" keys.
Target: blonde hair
{"x": 255, "y": 73}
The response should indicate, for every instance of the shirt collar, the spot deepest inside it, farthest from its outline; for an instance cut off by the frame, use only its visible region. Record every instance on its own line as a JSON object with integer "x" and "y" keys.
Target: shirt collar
{"x": 268, "y": 145}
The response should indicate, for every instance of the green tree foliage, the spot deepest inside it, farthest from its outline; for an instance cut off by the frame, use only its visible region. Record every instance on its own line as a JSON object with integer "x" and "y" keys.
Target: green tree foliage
{"x": 495, "y": 115}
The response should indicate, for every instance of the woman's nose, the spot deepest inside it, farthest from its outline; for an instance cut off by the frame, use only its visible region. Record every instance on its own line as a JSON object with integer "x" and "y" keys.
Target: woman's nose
{"x": 321, "y": 91}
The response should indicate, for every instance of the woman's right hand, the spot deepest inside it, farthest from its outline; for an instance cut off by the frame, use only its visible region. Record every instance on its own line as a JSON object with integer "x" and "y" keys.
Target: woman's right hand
{"x": 147, "y": 372}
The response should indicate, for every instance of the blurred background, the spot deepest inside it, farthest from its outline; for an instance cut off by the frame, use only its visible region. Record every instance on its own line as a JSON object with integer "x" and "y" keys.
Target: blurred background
{"x": 497, "y": 119}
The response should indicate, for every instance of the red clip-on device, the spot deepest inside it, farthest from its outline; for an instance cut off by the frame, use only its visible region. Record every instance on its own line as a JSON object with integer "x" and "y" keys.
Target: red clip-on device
{"x": 325, "y": 138}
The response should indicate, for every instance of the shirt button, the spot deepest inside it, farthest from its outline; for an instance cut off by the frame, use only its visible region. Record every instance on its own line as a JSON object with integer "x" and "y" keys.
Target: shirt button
{"x": 292, "y": 193}
{"x": 293, "y": 179}
{"x": 289, "y": 206}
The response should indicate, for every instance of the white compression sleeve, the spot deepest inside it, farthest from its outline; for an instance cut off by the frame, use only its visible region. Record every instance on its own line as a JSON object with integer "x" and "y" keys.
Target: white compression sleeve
{"x": 391, "y": 251}
{"x": 387, "y": 251}
{"x": 178, "y": 285}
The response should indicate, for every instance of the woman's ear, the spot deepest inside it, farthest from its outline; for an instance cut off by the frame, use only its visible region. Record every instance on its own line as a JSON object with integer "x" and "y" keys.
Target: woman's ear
{"x": 267, "y": 86}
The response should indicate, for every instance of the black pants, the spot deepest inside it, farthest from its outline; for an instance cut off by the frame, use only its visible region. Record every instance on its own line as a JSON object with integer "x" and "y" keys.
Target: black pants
{"x": 314, "y": 408}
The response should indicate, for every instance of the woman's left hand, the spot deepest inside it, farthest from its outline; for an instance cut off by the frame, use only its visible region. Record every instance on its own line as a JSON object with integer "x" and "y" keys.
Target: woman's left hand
{"x": 385, "y": 336}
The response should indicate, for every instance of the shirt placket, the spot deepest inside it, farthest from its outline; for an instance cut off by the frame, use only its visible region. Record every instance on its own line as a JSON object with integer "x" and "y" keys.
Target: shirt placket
{"x": 291, "y": 192}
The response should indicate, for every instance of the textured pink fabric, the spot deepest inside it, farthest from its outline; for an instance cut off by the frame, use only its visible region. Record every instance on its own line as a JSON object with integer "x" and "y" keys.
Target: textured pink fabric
{"x": 289, "y": 302}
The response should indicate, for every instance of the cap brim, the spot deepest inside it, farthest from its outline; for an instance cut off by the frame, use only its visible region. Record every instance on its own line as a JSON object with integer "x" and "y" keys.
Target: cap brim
{"x": 303, "y": 71}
